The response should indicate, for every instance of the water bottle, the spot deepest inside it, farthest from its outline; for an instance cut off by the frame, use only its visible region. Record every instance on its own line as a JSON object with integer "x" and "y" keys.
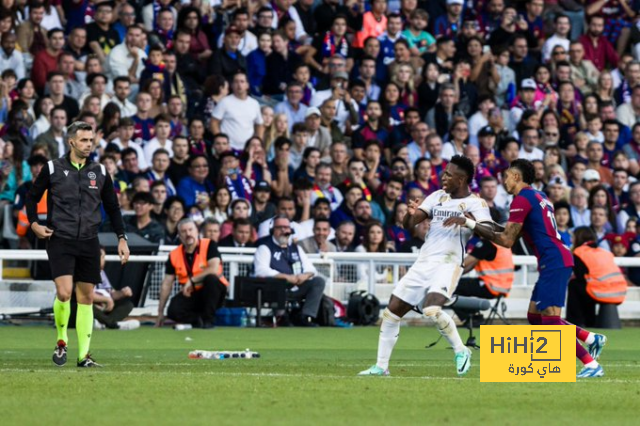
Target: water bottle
{"x": 243, "y": 318}
{"x": 181, "y": 327}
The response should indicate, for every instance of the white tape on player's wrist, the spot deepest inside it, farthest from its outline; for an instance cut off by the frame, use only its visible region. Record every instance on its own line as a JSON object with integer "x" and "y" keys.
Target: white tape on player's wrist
{"x": 470, "y": 223}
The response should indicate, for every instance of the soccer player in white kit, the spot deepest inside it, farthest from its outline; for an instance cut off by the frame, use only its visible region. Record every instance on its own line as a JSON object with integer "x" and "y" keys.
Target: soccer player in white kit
{"x": 436, "y": 272}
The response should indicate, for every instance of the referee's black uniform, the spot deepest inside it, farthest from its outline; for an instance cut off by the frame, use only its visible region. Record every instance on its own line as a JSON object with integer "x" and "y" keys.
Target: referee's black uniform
{"x": 73, "y": 213}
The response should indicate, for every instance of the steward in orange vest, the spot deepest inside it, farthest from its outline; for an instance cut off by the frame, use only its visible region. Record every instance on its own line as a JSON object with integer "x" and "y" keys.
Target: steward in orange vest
{"x": 28, "y": 239}
{"x": 596, "y": 279}
{"x": 197, "y": 266}
{"x": 495, "y": 269}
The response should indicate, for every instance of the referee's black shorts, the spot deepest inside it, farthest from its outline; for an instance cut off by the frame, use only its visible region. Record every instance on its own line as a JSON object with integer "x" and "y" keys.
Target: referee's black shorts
{"x": 78, "y": 258}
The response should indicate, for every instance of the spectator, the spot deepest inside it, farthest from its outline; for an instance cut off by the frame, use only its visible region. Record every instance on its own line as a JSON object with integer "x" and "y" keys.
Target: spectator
{"x": 277, "y": 257}
{"x": 46, "y": 60}
{"x": 10, "y": 57}
{"x": 195, "y": 189}
{"x": 126, "y": 130}
{"x": 262, "y": 207}
{"x": 281, "y": 168}
{"x": 174, "y": 209}
{"x": 160, "y": 161}
{"x": 228, "y": 61}
{"x": 560, "y": 37}
{"x": 127, "y": 58}
{"x": 197, "y": 266}
{"x": 597, "y": 47}
{"x": 319, "y": 242}
{"x": 56, "y": 83}
{"x": 374, "y": 241}
{"x": 230, "y": 176}
{"x": 241, "y": 236}
{"x": 162, "y": 131}
{"x": 280, "y": 66}
{"x": 237, "y": 114}
{"x": 54, "y": 137}
{"x": 210, "y": 229}
{"x": 122, "y": 89}
{"x": 292, "y": 106}
{"x": 387, "y": 202}
{"x": 101, "y": 34}
{"x": 142, "y": 223}
{"x": 32, "y": 36}
{"x": 257, "y": 63}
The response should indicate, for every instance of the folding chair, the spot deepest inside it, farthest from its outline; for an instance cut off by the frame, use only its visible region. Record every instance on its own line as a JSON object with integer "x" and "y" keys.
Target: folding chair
{"x": 498, "y": 309}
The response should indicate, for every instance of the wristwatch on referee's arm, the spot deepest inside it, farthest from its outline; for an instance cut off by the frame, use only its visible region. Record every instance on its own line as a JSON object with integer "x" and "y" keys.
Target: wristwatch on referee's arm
{"x": 123, "y": 237}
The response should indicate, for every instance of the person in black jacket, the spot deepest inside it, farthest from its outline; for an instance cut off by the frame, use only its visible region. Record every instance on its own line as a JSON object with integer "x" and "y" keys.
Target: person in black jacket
{"x": 76, "y": 188}
{"x": 228, "y": 60}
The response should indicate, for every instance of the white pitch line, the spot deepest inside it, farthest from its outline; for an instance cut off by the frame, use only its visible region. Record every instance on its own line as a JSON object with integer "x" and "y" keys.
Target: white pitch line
{"x": 277, "y": 375}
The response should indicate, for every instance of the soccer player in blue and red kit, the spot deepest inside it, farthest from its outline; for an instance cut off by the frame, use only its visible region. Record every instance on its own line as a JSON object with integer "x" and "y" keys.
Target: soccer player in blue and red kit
{"x": 532, "y": 215}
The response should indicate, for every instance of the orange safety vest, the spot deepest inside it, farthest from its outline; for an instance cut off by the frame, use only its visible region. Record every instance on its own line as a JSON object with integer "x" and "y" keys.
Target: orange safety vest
{"x": 178, "y": 259}
{"x": 605, "y": 281}
{"x": 497, "y": 274}
{"x": 23, "y": 221}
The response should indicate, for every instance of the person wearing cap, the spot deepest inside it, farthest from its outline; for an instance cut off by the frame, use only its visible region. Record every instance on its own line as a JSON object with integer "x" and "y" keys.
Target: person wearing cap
{"x": 590, "y": 178}
{"x": 228, "y": 60}
{"x": 488, "y": 152}
{"x": 450, "y": 23}
{"x": 292, "y": 106}
{"x": 525, "y": 101}
{"x": 142, "y": 223}
{"x": 319, "y": 137}
{"x": 231, "y": 177}
{"x": 248, "y": 41}
{"x": 261, "y": 206}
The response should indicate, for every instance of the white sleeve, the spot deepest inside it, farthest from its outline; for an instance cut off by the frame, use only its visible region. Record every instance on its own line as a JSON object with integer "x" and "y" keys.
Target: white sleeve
{"x": 307, "y": 266}
{"x": 480, "y": 210}
{"x": 219, "y": 110}
{"x": 20, "y": 69}
{"x": 429, "y": 202}
{"x": 142, "y": 158}
{"x": 262, "y": 260}
{"x": 295, "y": 16}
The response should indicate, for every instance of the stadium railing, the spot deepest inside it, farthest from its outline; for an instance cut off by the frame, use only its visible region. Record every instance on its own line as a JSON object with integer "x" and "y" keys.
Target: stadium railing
{"x": 344, "y": 273}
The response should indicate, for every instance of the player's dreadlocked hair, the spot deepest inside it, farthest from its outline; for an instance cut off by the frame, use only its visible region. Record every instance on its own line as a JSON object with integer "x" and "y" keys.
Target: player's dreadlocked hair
{"x": 466, "y": 165}
{"x": 526, "y": 169}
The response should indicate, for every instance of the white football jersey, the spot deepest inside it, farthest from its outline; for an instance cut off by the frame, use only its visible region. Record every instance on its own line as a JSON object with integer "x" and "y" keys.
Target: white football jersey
{"x": 448, "y": 244}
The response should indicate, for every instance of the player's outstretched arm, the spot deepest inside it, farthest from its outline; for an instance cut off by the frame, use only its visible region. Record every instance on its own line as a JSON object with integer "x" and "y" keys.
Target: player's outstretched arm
{"x": 506, "y": 238}
{"x": 414, "y": 215}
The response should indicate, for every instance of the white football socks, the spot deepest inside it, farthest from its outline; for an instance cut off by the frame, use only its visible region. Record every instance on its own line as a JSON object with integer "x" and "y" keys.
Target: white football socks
{"x": 389, "y": 331}
{"x": 449, "y": 331}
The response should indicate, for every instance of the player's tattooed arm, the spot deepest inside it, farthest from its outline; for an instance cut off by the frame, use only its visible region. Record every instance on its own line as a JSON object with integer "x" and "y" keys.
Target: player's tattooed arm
{"x": 506, "y": 238}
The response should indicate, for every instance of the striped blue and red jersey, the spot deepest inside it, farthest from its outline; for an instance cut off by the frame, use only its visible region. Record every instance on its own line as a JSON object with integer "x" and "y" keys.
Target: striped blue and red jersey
{"x": 535, "y": 212}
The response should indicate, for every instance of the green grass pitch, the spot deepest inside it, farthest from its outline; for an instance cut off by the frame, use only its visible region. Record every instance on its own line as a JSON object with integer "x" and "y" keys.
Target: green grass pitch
{"x": 304, "y": 377}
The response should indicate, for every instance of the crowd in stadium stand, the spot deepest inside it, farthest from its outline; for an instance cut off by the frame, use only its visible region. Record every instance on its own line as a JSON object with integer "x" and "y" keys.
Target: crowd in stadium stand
{"x": 233, "y": 111}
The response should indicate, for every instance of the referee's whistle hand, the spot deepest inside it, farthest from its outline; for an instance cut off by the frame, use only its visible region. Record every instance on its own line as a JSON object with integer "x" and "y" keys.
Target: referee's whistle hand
{"x": 123, "y": 251}
{"x": 41, "y": 231}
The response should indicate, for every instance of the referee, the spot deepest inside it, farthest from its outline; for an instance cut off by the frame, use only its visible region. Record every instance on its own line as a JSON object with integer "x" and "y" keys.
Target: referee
{"x": 76, "y": 189}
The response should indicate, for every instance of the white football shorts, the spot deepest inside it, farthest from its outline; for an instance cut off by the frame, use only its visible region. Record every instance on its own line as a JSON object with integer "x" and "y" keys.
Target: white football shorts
{"x": 429, "y": 277}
